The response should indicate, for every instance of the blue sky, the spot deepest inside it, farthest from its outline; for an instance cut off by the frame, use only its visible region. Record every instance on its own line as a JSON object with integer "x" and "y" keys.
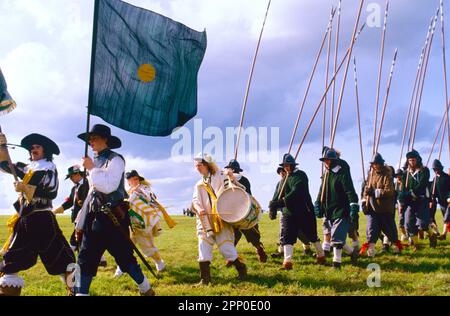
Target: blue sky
{"x": 47, "y": 57}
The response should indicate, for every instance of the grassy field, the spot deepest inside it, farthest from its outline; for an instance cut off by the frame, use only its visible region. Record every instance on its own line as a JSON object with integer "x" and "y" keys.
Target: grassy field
{"x": 424, "y": 273}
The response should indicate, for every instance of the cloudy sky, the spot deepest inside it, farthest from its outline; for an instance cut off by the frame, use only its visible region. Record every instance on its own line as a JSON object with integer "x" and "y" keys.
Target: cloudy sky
{"x": 45, "y": 57}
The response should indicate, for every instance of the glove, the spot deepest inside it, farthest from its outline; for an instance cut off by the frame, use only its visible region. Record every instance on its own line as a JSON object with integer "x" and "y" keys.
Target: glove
{"x": 3, "y": 139}
{"x": 26, "y": 189}
{"x": 20, "y": 187}
{"x": 369, "y": 191}
{"x": 78, "y": 236}
{"x": 318, "y": 211}
{"x": 59, "y": 210}
{"x": 354, "y": 210}
{"x": 276, "y": 204}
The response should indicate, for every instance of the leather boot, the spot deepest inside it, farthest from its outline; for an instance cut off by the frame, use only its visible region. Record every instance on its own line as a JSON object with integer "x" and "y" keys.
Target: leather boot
{"x": 205, "y": 273}
{"x": 241, "y": 269}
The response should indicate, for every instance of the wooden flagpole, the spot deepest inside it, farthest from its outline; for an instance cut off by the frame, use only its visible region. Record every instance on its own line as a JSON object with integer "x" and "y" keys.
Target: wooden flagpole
{"x": 92, "y": 75}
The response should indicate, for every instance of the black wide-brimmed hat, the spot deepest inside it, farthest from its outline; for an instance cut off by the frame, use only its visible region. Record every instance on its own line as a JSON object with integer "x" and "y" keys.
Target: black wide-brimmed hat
{"x": 377, "y": 159}
{"x": 330, "y": 154}
{"x": 437, "y": 165}
{"x": 50, "y": 146}
{"x": 103, "y": 131}
{"x": 413, "y": 154}
{"x": 288, "y": 160}
{"x": 133, "y": 173}
{"x": 74, "y": 170}
{"x": 234, "y": 165}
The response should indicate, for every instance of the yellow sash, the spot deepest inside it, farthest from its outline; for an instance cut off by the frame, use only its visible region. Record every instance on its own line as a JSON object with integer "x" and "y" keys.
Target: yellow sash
{"x": 216, "y": 220}
{"x": 11, "y": 223}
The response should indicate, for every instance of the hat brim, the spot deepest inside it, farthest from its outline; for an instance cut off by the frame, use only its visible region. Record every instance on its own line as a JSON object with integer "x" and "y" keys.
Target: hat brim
{"x": 113, "y": 141}
{"x": 292, "y": 164}
{"x": 71, "y": 174}
{"x": 323, "y": 159}
{"x": 49, "y": 145}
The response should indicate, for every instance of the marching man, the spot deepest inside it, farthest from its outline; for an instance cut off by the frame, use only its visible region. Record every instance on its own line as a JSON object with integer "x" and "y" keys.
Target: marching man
{"x": 298, "y": 213}
{"x": 379, "y": 206}
{"x": 339, "y": 205}
{"x": 75, "y": 201}
{"x": 211, "y": 229}
{"x": 95, "y": 223}
{"x": 442, "y": 195}
{"x": 415, "y": 200}
{"x": 36, "y": 231}
{"x": 252, "y": 235}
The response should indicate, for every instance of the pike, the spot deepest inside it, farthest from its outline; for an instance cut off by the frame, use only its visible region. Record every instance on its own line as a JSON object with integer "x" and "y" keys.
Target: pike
{"x": 347, "y": 54}
{"x": 415, "y": 117}
{"x": 324, "y": 119}
{"x": 336, "y": 50}
{"x": 380, "y": 70}
{"x": 405, "y": 129}
{"x": 359, "y": 119}
{"x": 444, "y": 119}
{"x": 249, "y": 83}
{"x": 411, "y": 124}
{"x": 423, "y": 79}
{"x": 445, "y": 73}
{"x": 344, "y": 80}
{"x": 311, "y": 77}
{"x": 386, "y": 101}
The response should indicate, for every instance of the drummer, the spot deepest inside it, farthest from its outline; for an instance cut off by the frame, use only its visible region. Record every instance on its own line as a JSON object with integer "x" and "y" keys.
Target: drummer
{"x": 253, "y": 235}
{"x": 211, "y": 229}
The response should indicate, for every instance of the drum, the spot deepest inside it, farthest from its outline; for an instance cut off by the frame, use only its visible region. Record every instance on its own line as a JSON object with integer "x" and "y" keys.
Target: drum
{"x": 238, "y": 208}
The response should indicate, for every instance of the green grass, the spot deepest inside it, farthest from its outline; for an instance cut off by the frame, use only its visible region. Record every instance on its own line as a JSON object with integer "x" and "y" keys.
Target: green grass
{"x": 422, "y": 273}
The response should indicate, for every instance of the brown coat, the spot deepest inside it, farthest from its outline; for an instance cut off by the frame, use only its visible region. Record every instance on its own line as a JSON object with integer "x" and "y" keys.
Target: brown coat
{"x": 383, "y": 184}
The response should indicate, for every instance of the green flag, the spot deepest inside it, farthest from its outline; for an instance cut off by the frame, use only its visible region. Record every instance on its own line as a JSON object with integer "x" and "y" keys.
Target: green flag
{"x": 7, "y": 104}
{"x": 144, "y": 69}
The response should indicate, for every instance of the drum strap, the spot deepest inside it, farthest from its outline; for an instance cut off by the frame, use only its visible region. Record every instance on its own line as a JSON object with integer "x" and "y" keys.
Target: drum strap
{"x": 217, "y": 222}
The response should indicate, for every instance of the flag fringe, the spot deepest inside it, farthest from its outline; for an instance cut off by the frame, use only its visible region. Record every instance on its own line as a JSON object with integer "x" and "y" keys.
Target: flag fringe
{"x": 7, "y": 106}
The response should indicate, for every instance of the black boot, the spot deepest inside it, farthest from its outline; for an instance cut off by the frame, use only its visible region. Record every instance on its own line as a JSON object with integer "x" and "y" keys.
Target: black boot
{"x": 205, "y": 273}
{"x": 241, "y": 269}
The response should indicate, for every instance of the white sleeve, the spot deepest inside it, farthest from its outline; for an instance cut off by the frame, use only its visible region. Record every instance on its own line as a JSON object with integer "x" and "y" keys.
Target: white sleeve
{"x": 107, "y": 180}
{"x": 196, "y": 200}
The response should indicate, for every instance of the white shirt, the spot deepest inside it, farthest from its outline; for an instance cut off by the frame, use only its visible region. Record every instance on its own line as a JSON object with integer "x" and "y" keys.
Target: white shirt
{"x": 107, "y": 180}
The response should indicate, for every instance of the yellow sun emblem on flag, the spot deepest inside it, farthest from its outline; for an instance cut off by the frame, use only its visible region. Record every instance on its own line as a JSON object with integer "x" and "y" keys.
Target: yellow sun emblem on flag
{"x": 146, "y": 73}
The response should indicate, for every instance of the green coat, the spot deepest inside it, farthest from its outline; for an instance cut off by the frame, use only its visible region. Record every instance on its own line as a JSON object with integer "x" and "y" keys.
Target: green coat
{"x": 340, "y": 193}
{"x": 296, "y": 194}
{"x": 418, "y": 182}
{"x": 284, "y": 210}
